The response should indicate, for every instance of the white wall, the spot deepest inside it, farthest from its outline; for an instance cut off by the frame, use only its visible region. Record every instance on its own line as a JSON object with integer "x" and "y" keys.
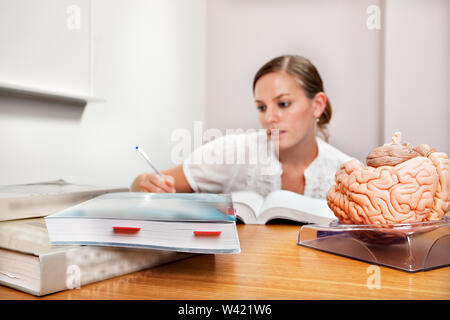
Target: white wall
{"x": 418, "y": 71}
{"x": 243, "y": 35}
{"x": 379, "y": 81}
{"x": 40, "y": 48}
{"x": 163, "y": 64}
{"x": 148, "y": 63}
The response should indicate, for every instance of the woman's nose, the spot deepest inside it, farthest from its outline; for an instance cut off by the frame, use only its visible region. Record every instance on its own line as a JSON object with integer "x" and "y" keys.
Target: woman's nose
{"x": 272, "y": 114}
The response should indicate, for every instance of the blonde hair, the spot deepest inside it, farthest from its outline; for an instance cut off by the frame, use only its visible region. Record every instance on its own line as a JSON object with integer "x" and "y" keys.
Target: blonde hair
{"x": 307, "y": 77}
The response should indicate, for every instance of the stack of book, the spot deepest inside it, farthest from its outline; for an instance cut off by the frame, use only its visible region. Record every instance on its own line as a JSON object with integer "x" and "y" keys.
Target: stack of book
{"x": 90, "y": 234}
{"x": 28, "y": 262}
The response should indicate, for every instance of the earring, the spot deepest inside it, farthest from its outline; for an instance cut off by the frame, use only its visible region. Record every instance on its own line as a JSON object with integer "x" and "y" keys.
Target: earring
{"x": 317, "y": 120}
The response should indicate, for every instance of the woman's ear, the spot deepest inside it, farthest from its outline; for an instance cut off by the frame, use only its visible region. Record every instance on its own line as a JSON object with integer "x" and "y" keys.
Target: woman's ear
{"x": 319, "y": 104}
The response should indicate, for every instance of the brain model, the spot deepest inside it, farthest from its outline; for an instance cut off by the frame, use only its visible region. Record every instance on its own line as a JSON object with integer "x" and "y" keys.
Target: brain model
{"x": 400, "y": 184}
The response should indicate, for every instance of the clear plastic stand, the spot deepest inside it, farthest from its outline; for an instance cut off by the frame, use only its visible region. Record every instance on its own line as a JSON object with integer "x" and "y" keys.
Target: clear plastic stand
{"x": 409, "y": 247}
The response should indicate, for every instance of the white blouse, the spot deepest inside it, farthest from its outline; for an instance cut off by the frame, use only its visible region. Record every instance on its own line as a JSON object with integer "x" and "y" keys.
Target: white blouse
{"x": 248, "y": 162}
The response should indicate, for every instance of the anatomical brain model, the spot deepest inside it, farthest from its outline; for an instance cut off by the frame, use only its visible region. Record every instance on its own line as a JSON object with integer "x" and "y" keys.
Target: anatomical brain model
{"x": 400, "y": 184}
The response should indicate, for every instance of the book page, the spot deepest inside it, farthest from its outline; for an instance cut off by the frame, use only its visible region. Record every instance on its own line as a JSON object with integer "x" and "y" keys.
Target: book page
{"x": 28, "y": 236}
{"x": 250, "y": 198}
{"x": 291, "y": 200}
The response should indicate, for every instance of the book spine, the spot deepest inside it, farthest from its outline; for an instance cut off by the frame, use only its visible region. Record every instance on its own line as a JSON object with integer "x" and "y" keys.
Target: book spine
{"x": 53, "y": 272}
{"x": 88, "y": 264}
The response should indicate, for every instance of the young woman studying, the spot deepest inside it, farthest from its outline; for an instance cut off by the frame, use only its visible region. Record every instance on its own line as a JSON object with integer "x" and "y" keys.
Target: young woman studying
{"x": 291, "y": 106}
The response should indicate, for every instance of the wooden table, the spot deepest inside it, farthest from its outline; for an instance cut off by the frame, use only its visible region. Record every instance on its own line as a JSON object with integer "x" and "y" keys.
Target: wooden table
{"x": 270, "y": 266}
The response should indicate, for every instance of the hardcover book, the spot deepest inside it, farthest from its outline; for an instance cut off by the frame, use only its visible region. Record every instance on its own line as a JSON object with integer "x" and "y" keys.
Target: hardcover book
{"x": 29, "y": 263}
{"x": 184, "y": 222}
{"x": 40, "y": 199}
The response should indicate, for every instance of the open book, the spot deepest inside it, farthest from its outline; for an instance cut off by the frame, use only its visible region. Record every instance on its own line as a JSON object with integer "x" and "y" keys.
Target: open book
{"x": 252, "y": 208}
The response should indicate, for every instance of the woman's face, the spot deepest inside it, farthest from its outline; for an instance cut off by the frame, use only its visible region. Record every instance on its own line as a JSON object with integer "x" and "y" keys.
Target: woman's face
{"x": 282, "y": 104}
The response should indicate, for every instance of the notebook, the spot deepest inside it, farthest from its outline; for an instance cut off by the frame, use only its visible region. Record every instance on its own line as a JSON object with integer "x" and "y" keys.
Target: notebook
{"x": 29, "y": 263}
{"x": 183, "y": 222}
{"x": 42, "y": 198}
{"x": 252, "y": 208}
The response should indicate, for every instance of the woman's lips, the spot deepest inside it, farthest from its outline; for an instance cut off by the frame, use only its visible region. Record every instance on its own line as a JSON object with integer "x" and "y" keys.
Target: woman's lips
{"x": 276, "y": 132}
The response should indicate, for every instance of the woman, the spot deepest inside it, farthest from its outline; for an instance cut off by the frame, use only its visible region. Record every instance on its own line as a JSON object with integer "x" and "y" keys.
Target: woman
{"x": 291, "y": 106}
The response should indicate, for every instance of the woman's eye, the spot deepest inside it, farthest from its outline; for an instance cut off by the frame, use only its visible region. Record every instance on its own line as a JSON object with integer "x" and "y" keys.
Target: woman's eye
{"x": 261, "y": 108}
{"x": 284, "y": 104}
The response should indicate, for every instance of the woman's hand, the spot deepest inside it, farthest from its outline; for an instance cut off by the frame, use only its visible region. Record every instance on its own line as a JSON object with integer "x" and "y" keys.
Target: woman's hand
{"x": 152, "y": 182}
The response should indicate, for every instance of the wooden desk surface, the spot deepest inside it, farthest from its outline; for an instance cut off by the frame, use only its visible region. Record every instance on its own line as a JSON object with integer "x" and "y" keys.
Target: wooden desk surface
{"x": 270, "y": 266}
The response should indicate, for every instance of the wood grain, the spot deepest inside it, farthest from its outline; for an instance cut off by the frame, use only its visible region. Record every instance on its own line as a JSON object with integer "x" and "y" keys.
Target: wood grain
{"x": 270, "y": 266}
